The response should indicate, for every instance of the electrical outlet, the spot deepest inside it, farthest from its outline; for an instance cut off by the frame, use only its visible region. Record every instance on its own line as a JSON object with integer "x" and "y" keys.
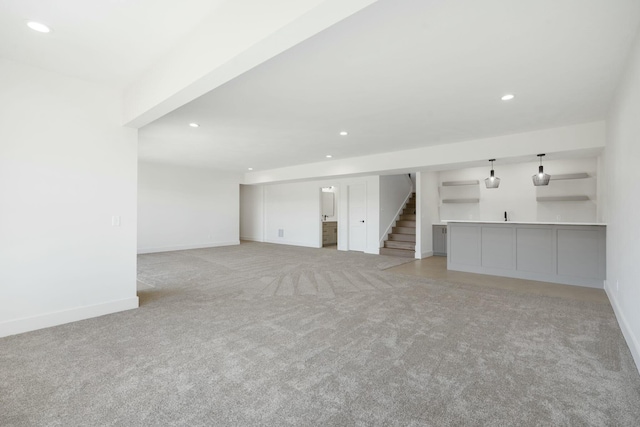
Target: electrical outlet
{"x": 280, "y": 232}
{"x": 115, "y": 220}
{"x": 617, "y": 285}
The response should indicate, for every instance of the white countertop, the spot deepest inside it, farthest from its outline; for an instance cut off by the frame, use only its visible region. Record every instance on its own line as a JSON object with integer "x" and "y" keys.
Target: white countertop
{"x": 522, "y": 222}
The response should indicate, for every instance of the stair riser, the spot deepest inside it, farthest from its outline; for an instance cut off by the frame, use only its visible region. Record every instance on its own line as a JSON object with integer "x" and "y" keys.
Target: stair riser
{"x": 400, "y": 245}
{"x": 404, "y": 217}
{"x": 403, "y": 230}
{"x": 403, "y": 237}
{"x": 411, "y": 224}
{"x": 397, "y": 252}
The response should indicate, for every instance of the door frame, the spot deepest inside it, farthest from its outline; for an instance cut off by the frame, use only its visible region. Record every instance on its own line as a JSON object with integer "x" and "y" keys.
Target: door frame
{"x": 336, "y": 212}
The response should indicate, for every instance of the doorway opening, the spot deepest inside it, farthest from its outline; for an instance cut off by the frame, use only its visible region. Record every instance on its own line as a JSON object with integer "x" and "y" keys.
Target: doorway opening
{"x": 329, "y": 217}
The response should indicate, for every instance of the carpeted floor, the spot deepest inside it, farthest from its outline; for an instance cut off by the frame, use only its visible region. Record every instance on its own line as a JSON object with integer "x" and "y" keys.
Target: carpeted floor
{"x": 271, "y": 335}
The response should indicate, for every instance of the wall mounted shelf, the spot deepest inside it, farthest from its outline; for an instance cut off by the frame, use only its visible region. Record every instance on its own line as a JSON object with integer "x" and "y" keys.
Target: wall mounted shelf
{"x": 460, "y": 200}
{"x": 580, "y": 175}
{"x": 453, "y": 183}
{"x": 579, "y": 198}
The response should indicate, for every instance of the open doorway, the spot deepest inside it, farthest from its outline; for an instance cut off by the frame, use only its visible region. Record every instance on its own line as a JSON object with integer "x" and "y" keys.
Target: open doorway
{"x": 329, "y": 216}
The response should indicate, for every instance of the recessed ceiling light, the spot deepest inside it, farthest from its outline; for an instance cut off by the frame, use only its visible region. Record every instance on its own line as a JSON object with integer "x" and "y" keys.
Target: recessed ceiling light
{"x": 328, "y": 156}
{"x": 194, "y": 125}
{"x": 508, "y": 97}
{"x": 250, "y": 169}
{"x": 344, "y": 133}
{"x": 36, "y": 26}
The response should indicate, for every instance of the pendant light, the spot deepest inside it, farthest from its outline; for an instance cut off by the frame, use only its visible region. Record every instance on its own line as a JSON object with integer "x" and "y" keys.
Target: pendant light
{"x": 493, "y": 181}
{"x": 541, "y": 178}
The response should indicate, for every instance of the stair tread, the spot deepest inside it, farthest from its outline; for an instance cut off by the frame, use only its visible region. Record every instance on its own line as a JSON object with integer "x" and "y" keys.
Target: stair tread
{"x": 403, "y": 230}
{"x": 407, "y": 217}
{"x": 407, "y": 223}
{"x": 402, "y": 237}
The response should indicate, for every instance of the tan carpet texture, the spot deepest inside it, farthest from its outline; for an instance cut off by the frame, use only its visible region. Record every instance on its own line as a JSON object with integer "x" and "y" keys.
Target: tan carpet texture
{"x": 270, "y": 335}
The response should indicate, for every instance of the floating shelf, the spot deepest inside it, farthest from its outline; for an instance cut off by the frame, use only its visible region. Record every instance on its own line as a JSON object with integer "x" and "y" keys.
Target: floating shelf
{"x": 460, "y": 200}
{"x": 580, "y": 175}
{"x": 562, "y": 199}
{"x": 451, "y": 183}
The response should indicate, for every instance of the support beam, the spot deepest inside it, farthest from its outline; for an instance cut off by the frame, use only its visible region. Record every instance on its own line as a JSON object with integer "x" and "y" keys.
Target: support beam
{"x": 587, "y": 138}
{"x": 238, "y": 36}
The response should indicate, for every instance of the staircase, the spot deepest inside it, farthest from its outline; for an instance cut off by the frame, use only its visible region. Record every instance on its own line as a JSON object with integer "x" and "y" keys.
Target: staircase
{"x": 402, "y": 239}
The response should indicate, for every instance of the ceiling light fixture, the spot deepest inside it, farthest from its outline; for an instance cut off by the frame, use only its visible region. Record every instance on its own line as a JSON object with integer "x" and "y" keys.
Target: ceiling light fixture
{"x": 250, "y": 169}
{"x": 508, "y": 97}
{"x": 493, "y": 181}
{"x": 541, "y": 178}
{"x": 194, "y": 125}
{"x": 328, "y": 156}
{"x": 37, "y": 26}
{"x": 344, "y": 133}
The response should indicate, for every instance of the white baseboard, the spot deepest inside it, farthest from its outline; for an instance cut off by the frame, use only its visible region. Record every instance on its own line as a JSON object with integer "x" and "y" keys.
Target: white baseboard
{"x": 629, "y": 336}
{"x": 186, "y": 247}
{"x": 19, "y": 326}
{"x": 426, "y": 254}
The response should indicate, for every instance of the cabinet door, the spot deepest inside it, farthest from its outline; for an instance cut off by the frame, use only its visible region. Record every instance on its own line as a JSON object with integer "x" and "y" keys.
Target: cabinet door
{"x": 439, "y": 240}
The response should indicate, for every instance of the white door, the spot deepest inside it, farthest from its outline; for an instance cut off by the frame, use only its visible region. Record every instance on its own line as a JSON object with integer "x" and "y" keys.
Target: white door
{"x": 357, "y": 215}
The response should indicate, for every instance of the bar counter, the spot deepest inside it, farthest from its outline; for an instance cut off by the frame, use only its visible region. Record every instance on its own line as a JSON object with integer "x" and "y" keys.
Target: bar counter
{"x": 567, "y": 253}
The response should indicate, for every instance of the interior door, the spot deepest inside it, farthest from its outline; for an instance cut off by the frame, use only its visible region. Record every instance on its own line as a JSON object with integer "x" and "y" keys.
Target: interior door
{"x": 357, "y": 199}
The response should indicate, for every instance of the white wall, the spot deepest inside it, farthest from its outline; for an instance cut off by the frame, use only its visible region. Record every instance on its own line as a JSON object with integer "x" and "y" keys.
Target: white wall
{"x": 294, "y": 208}
{"x": 252, "y": 213}
{"x": 623, "y": 203}
{"x": 184, "y": 208}
{"x": 394, "y": 191}
{"x": 517, "y": 194}
{"x": 66, "y": 167}
{"x": 427, "y": 212}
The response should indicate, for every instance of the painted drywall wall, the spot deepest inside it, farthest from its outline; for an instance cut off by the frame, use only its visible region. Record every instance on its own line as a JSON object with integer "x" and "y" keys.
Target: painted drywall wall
{"x": 252, "y": 213}
{"x": 67, "y": 172}
{"x": 623, "y": 203}
{"x": 517, "y": 195}
{"x": 292, "y": 214}
{"x": 426, "y": 211}
{"x": 184, "y": 208}
{"x": 583, "y": 137}
{"x": 394, "y": 191}
{"x": 294, "y": 208}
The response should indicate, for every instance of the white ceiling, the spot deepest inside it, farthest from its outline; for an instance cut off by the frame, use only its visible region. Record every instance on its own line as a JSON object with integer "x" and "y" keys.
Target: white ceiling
{"x": 399, "y": 74}
{"x": 407, "y": 74}
{"x": 104, "y": 41}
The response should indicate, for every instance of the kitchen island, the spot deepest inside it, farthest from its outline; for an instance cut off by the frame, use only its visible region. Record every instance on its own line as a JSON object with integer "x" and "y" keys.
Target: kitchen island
{"x": 568, "y": 253}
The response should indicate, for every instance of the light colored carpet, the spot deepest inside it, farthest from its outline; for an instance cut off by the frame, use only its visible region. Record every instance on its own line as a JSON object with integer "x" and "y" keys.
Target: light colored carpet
{"x": 261, "y": 334}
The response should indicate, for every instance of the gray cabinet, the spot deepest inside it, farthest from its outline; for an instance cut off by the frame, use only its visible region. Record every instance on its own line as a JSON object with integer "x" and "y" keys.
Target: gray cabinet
{"x": 572, "y": 254}
{"x": 440, "y": 240}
